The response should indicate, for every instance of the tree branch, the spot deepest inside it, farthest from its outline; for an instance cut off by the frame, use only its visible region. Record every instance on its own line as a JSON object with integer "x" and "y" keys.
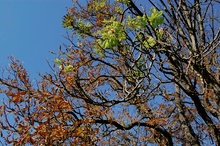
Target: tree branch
{"x": 163, "y": 131}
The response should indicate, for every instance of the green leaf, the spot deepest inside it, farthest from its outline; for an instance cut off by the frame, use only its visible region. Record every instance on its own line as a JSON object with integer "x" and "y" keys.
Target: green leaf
{"x": 112, "y": 34}
{"x": 124, "y": 1}
{"x": 68, "y": 68}
{"x": 155, "y": 18}
{"x": 137, "y": 23}
{"x": 150, "y": 42}
{"x": 57, "y": 61}
{"x": 68, "y": 21}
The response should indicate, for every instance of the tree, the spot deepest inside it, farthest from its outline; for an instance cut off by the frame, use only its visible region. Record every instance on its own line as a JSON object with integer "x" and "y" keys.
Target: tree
{"x": 128, "y": 77}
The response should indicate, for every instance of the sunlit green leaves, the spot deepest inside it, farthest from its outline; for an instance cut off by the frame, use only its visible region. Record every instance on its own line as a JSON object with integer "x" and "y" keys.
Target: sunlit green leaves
{"x": 96, "y": 5}
{"x": 123, "y": 1}
{"x": 112, "y": 34}
{"x": 80, "y": 27}
{"x": 83, "y": 28}
{"x": 137, "y": 22}
{"x": 150, "y": 42}
{"x": 68, "y": 68}
{"x": 68, "y": 21}
{"x": 155, "y": 18}
{"x": 58, "y": 61}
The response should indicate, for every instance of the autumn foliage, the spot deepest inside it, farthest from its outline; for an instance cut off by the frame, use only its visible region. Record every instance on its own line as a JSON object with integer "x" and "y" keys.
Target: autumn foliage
{"x": 129, "y": 76}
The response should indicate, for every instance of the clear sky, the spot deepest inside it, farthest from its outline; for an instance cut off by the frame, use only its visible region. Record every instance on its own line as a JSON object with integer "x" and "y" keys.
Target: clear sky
{"x": 29, "y": 29}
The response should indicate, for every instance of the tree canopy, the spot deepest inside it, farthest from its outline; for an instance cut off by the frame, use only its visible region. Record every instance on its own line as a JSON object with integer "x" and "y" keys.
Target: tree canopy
{"x": 129, "y": 76}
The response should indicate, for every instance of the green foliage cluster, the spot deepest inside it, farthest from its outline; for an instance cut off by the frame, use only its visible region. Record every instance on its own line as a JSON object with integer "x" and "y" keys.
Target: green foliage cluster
{"x": 68, "y": 21}
{"x": 124, "y": 1}
{"x": 137, "y": 23}
{"x": 112, "y": 33}
{"x": 96, "y": 5}
{"x": 58, "y": 61}
{"x": 84, "y": 28}
{"x": 155, "y": 18}
{"x": 81, "y": 28}
{"x": 66, "y": 68}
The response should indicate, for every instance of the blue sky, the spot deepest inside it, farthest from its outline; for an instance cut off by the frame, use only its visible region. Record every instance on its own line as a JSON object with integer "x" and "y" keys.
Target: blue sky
{"x": 29, "y": 29}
